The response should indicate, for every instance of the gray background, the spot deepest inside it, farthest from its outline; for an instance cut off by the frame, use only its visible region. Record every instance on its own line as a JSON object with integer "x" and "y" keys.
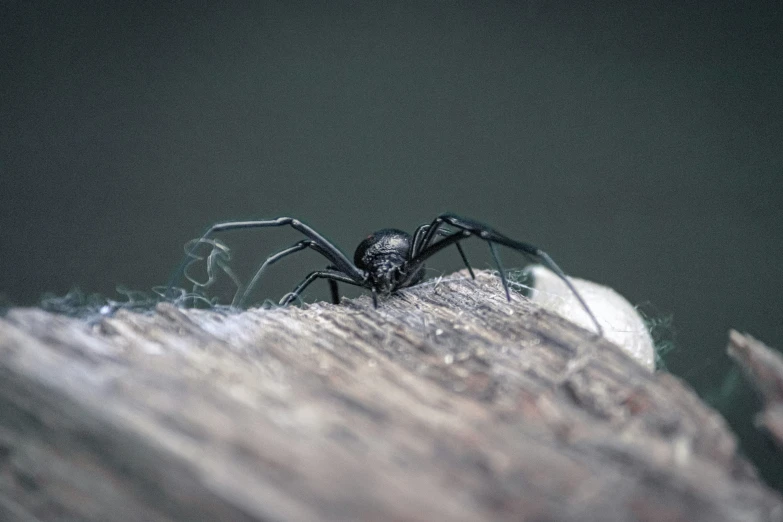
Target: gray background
{"x": 639, "y": 143}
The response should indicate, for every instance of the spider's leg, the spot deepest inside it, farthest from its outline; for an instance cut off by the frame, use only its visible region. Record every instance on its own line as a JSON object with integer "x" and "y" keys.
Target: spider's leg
{"x": 417, "y": 242}
{"x": 327, "y": 249}
{"x": 455, "y": 237}
{"x": 431, "y": 231}
{"x": 332, "y": 275}
{"x": 301, "y": 245}
{"x": 550, "y": 264}
{"x": 496, "y": 257}
{"x": 333, "y": 288}
{"x": 490, "y": 235}
{"x": 417, "y": 239}
{"x": 435, "y": 229}
{"x": 274, "y": 258}
{"x": 465, "y": 260}
{"x": 334, "y": 291}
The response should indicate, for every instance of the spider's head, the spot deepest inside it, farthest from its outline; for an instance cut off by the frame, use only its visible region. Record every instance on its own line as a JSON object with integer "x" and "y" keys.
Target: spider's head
{"x": 384, "y": 254}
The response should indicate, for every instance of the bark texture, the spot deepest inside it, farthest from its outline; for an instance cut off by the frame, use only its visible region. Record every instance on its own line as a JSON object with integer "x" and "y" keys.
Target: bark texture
{"x": 445, "y": 403}
{"x": 764, "y": 368}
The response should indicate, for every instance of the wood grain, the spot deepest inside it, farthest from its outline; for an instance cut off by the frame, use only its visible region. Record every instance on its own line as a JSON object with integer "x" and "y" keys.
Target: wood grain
{"x": 445, "y": 403}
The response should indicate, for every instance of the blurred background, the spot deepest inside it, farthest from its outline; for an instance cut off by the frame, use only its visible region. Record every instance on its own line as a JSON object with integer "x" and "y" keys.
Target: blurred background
{"x": 639, "y": 143}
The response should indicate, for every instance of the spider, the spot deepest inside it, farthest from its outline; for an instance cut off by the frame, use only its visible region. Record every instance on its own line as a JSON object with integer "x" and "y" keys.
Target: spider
{"x": 385, "y": 261}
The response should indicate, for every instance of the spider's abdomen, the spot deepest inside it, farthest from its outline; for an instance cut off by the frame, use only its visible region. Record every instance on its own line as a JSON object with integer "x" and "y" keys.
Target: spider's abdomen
{"x": 383, "y": 254}
{"x": 389, "y": 244}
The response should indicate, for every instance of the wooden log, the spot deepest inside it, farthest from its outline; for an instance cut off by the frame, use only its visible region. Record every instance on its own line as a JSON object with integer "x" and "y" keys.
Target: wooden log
{"x": 764, "y": 367}
{"x": 445, "y": 403}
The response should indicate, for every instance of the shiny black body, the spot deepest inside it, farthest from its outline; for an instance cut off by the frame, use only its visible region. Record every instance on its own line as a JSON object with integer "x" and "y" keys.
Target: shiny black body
{"x": 384, "y": 255}
{"x": 386, "y": 260}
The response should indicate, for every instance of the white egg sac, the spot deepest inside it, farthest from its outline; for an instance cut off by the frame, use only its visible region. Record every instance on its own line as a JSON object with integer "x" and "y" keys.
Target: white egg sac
{"x": 621, "y": 323}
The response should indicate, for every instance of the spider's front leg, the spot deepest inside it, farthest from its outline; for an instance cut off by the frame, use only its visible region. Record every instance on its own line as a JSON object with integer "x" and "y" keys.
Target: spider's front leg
{"x": 332, "y": 275}
{"x": 274, "y": 258}
{"x": 317, "y": 242}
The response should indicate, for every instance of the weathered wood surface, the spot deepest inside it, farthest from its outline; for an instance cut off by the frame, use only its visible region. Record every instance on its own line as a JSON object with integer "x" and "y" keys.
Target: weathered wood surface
{"x": 446, "y": 403}
{"x": 764, "y": 368}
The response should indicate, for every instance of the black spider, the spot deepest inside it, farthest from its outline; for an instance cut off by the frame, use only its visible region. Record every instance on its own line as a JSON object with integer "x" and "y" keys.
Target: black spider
{"x": 385, "y": 261}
